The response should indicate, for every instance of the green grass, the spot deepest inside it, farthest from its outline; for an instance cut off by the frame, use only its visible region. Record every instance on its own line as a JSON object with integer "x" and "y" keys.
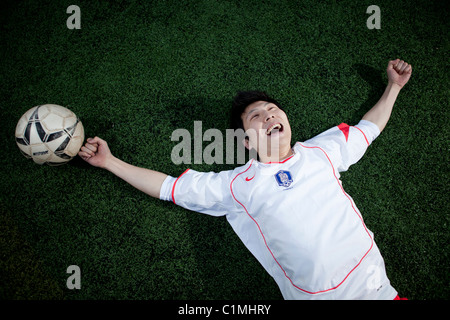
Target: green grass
{"x": 136, "y": 72}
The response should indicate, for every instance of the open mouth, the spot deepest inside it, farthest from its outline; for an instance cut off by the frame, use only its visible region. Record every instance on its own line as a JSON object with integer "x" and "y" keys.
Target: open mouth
{"x": 275, "y": 128}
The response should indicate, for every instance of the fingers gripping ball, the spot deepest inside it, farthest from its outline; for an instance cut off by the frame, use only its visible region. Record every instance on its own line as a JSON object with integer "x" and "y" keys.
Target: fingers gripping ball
{"x": 49, "y": 134}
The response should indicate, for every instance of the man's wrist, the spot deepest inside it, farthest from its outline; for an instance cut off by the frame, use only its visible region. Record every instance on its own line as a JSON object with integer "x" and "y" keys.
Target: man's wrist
{"x": 110, "y": 163}
{"x": 394, "y": 86}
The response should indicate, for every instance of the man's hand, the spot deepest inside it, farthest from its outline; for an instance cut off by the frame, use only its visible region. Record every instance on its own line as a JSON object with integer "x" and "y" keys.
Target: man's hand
{"x": 398, "y": 72}
{"x": 96, "y": 152}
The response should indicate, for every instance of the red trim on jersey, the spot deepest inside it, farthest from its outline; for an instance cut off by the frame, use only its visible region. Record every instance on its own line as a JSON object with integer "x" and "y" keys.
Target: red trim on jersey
{"x": 345, "y": 128}
{"x": 398, "y": 298}
{"x": 363, "y": 135}
{"x": 264, "y": 239}
{"x": 281, "y": 161}
{"x": 174, "y": 184}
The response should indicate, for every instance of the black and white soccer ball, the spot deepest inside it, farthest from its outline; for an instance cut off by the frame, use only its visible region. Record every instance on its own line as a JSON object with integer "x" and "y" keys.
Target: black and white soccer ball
{"x": 49, "y": 134}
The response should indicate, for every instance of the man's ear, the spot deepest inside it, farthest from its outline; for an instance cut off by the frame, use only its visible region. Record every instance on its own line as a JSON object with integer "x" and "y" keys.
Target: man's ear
{"x": 246, "y": 143}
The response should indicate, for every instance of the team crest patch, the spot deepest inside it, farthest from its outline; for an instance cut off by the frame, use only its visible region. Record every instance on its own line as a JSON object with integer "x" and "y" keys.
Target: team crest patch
{"x": 284, "y": 178}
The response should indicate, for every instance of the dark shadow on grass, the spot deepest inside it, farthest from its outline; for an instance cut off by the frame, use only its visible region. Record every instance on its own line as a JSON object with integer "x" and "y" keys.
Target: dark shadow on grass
{"x": 374, "y": 78}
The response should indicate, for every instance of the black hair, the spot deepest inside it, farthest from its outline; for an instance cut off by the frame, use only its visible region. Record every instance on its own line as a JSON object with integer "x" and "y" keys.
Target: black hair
{"x": 242, "y": 100}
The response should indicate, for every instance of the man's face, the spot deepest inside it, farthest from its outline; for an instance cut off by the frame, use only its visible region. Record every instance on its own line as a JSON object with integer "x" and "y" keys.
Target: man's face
{"x": 267, "y": 127}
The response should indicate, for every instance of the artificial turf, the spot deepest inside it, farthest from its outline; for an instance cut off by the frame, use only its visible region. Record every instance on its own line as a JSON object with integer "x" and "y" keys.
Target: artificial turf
{"x": 138, "y": 70}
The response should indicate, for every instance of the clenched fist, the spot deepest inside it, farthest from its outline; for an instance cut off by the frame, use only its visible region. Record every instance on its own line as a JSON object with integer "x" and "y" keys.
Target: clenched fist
{"x": 399, "y": 72}
{"x": 96, "y": 152}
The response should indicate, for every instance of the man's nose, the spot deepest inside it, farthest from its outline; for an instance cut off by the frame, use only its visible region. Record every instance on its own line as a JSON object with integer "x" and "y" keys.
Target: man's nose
{"x": 268, "y": 116}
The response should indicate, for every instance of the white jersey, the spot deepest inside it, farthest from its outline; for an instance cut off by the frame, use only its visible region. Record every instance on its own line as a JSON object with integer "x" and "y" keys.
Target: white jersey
{"x": 295, "y": 217}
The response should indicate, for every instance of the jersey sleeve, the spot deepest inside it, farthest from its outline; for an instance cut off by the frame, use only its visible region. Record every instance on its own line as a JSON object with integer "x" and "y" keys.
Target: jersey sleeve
{"x": 207, "y": 193}
{"x": 344, "y": 144}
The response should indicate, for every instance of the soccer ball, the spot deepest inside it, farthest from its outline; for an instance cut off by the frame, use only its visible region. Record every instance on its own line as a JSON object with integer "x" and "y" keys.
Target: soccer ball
{"x": 49, "y": 134}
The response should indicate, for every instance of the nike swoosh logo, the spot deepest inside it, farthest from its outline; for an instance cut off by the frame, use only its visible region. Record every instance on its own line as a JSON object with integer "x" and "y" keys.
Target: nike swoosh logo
{"x": 248, "y": 179}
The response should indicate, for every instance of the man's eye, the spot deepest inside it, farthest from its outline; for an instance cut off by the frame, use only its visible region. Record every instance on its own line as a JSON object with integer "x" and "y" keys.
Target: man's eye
{"x": 255, "y": 116}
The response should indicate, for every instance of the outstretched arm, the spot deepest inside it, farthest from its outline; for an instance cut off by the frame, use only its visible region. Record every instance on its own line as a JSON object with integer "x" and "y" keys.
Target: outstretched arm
{"x": 398, "y": 72}
{"x": 96, "y": 152}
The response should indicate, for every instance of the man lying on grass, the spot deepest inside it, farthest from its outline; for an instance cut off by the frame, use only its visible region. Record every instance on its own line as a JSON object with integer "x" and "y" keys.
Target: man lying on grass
{"x": 288, "y": 207}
